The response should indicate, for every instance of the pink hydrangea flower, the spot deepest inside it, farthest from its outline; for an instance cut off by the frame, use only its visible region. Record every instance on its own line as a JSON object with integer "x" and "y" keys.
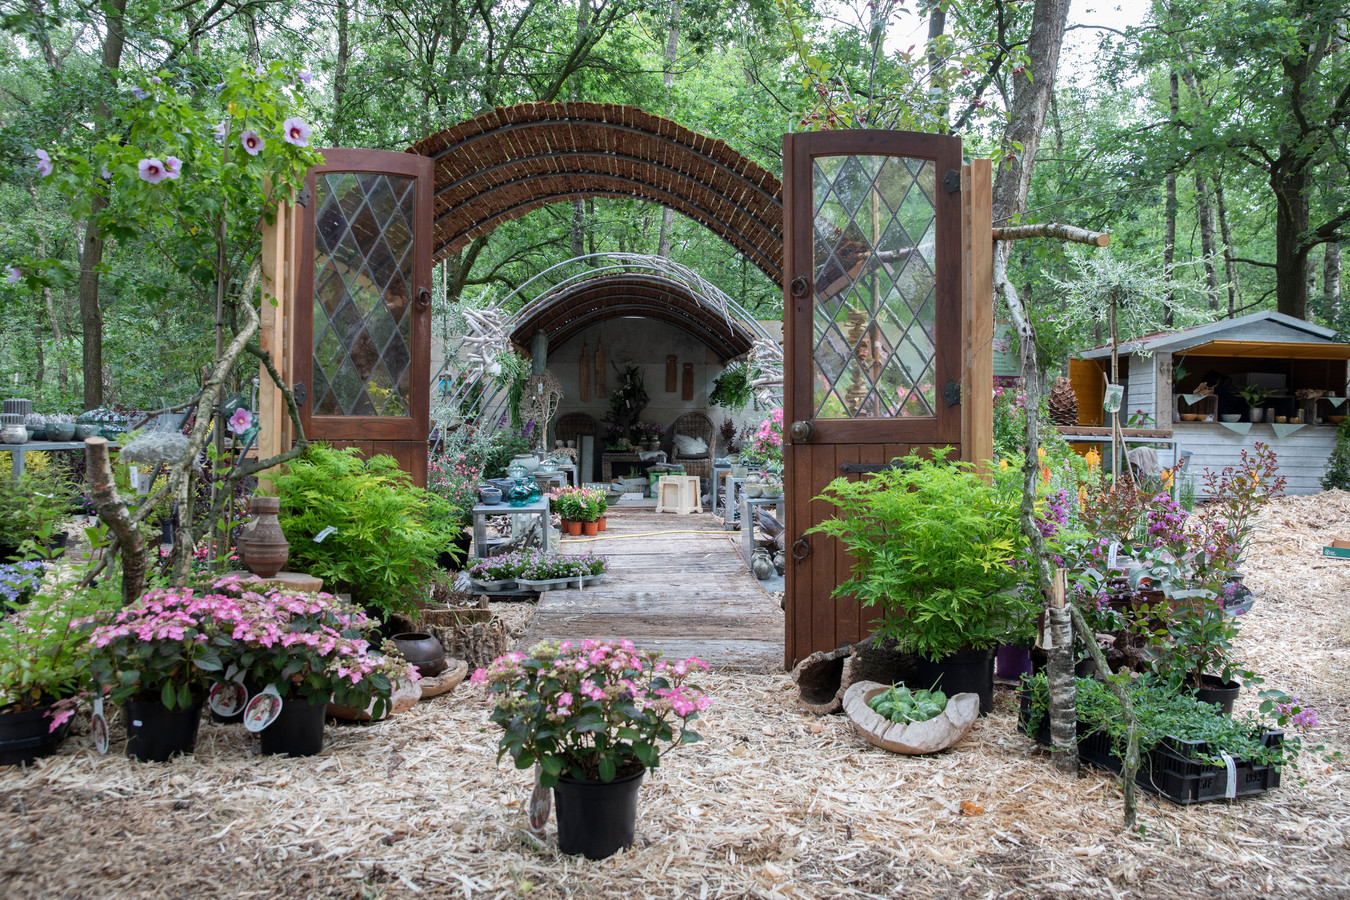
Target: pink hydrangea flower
{"x": 251, "y": 142}
{"x": 294, "y": 131}
{"x": 152, "y": 170}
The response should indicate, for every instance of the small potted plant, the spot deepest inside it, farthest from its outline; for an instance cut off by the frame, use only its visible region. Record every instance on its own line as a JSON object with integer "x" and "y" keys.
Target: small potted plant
{"x": 594, "y": 717}
{"x": 1255, "y": 395}
{"x": 937, "y": 559}
{"x": 545, "y": 573}
{"x": 312, "y": 650}
{"x": 568, "y": 504}
{"x": 158, "y": 658}
{"x": 44, "y": 663}
{"x": 32, "y": 513}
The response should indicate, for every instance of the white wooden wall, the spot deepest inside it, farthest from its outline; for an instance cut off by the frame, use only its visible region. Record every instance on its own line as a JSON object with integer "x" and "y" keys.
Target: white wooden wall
{"x": 1302, "y": 456}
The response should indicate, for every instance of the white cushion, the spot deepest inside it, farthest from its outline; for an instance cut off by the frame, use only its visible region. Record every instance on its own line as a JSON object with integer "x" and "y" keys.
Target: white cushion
{"x": 689, "y": 446}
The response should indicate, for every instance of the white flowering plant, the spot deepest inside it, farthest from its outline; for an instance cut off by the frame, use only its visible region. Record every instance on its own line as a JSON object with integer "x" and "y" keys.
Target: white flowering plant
{"x": 592, "y": 711}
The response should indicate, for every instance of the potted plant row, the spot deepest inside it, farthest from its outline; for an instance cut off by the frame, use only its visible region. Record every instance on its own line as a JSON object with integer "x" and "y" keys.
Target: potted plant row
{"x": 161, "y": 656}
{"x": 1190, "y": 751}
{"x": 593, "y": 717}
{"x": 581, "y": 509}
{"x": 532, "y": 569}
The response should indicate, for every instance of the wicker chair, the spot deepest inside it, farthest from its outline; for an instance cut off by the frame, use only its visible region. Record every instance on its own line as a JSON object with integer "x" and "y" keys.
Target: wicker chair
{"x": 571, "y": 426}
{"x": 694, "y": 425}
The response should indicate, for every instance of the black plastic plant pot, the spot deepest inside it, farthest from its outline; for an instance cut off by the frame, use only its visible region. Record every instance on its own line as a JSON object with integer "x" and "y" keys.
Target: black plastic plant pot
{"x": 26, "y": 736}
{"x": 969, "y": 672}
{"x": 156, "y": 733}
{"x": 297, "y": 731}
{"x": 1220, "y": 692}
{"x": 596, "y": 819}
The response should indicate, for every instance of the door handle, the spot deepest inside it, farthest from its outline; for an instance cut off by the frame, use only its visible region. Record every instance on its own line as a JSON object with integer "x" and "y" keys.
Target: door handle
{"x": 801, "y": 549}
{"x": 423, "y": 298}
{"x": 802, "y": 432}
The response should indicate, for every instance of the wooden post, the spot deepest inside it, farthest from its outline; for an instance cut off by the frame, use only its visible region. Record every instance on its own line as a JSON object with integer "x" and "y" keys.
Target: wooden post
{"x": 977, "y": 381}
{"x": 279, "y": 247}
{"x": 1060, "y": 676}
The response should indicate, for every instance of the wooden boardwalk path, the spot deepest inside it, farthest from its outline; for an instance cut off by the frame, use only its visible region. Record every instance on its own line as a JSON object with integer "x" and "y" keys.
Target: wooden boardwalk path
{"x": 686, "y": 593}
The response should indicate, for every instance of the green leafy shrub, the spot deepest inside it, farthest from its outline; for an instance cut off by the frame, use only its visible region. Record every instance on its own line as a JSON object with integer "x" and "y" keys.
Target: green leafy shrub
{"x": 937, "y": 555}
{"x": 1338, "y": 464}
{"x": 386, "y": 532}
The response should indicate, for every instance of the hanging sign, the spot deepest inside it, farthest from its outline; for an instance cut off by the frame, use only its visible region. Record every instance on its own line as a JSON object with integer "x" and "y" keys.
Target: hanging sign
{"x": 1115, "y": 393}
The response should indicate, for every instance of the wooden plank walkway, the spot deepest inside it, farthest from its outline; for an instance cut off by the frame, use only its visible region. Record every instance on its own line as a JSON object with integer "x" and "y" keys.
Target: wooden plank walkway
{"x": 685, "y": 593}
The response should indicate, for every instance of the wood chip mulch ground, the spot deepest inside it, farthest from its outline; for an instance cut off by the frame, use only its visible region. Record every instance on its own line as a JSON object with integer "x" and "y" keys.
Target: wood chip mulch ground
{"x": 774, "y": 803}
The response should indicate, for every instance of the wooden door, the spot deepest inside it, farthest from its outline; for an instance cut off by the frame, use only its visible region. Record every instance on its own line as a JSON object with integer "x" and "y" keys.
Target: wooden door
{"x": 872, "y": 313}
{"x": 363, "y": 334}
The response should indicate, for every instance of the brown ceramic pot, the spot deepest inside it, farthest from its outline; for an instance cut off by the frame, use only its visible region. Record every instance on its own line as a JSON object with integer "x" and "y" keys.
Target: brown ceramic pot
{"x": 423, "y": 651}
{"x": 262, "y": 545}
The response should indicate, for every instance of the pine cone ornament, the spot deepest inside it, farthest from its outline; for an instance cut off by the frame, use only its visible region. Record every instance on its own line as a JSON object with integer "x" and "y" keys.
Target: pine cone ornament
{"x": 1063, "y": 403}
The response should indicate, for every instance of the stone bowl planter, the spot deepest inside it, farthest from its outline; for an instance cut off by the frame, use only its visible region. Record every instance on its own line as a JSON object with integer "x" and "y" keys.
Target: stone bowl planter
{"x": 914, "y": 739}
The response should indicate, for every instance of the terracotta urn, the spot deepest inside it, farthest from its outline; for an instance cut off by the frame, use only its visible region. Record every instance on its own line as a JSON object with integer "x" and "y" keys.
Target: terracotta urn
{"x": 262, "y": 545}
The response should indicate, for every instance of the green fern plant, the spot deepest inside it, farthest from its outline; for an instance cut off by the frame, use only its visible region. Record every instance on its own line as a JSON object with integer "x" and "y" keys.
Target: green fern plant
{"x": 386, "y": 532}
{"x": 937, "y": 555}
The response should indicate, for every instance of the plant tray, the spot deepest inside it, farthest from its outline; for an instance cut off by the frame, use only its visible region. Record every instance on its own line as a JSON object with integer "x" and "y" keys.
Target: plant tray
{"x": 493, "y": 585}
{"x": 1172, "y": 769}
{"x": 549, "y": 584}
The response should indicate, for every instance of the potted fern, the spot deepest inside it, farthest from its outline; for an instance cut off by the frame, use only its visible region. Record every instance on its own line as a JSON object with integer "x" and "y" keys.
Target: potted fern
{"x": 937, "y": 559}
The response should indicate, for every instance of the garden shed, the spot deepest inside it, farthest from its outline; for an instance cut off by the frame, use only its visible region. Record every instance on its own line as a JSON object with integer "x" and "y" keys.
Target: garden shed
{"x": 1194, "y": 385}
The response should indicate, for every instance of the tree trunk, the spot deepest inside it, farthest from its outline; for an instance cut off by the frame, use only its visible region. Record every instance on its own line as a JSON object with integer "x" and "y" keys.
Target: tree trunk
{"x": 672, "y": 54}
{"x": 1031, "y": 99}
{"x": 1206, "y": 217}
{"x": 937, "y": 24}
{"x": 344, "y": 54}
{"x": 1291, "y": 225}
{"x": 1170, "y": 209}
{"x": 1229, "y": 265}
{"x": 91, "y": 255}
{"x": 1331, "y": 281}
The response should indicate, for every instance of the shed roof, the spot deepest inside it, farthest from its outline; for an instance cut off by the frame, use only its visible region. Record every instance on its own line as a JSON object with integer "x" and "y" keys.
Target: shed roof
{"x": 1265, "y": 333}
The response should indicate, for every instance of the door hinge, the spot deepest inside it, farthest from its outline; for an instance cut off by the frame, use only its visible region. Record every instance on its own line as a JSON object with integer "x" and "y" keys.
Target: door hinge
{"x": 951, "y": 392}
{"x": 852, "y": 468}
{"x": 302, "y": 197}
{"x": 952, "y": 181}
{"x": 300, "y": 393}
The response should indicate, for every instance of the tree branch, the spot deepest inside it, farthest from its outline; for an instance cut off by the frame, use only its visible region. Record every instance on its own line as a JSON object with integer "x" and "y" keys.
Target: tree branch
{"x": 1052, "y": 230}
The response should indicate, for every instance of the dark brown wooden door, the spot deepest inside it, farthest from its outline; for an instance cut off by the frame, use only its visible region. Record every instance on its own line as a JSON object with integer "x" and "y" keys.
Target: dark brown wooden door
{"x": 872, "y": 336}
{"x": 362, "y": 325}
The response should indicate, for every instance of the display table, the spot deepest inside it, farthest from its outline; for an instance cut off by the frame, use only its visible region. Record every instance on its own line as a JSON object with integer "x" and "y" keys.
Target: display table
{"x": 639, "y": 459}
{"x": 538, "y": 508}
{"x": 748, "y": 506}
{"x": 20, "y": 449}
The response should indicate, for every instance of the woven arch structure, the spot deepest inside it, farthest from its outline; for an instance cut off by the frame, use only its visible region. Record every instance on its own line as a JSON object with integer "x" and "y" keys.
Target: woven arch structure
{"x": 510, "y": 161}
{"x": 562, "y": 313}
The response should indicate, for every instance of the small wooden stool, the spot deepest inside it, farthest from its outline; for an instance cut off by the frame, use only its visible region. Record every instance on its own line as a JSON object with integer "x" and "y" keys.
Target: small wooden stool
{"x": 678, "y": 494}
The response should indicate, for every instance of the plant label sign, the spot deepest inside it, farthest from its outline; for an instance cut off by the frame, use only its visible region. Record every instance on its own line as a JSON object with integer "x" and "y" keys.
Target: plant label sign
{"x": 318, "y": 538}
{"x": 100, "y": 728}
{"x": 263, "y": 709}
{"x": 1111, "y": 401}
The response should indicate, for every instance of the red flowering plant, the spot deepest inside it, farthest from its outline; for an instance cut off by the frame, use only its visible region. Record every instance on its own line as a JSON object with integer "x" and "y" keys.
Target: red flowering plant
{"x": 310, "y": 647}
{"x": 454, "y": 477}
{"x": 592, "y": 711}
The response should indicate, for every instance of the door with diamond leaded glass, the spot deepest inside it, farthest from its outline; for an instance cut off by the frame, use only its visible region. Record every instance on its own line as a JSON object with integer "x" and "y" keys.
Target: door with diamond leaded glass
{"x": 872, "y": 329}
{"x": 363, "y": 336}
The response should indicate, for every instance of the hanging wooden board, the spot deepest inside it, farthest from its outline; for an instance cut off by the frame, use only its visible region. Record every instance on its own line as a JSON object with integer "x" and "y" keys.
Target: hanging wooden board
{"x": 585, "y": 389}
{"x": 688, "y": 393}
{"x": 672, "y": 374}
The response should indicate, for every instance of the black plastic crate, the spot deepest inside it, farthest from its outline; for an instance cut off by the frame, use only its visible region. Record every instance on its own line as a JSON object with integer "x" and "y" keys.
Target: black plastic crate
{"x": 1173, "y": 769}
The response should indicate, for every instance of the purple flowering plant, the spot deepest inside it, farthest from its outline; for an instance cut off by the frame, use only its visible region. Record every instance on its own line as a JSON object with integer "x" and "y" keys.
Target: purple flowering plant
{"x": 594, "y": 710}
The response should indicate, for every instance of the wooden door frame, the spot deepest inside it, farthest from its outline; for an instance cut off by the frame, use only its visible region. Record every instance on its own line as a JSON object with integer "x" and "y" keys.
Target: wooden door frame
{"x": 964, "y": 269}
{"x": 416, "y": 426}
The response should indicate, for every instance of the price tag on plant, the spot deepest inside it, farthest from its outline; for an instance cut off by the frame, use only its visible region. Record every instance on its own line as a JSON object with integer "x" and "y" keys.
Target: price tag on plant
{"x": 541, "y": 803}
{"x": 100, "y": 728}
{"x": 1111, "y": 553}
{"x": 262, "y": 710}
{"x": 318, "y": 538}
